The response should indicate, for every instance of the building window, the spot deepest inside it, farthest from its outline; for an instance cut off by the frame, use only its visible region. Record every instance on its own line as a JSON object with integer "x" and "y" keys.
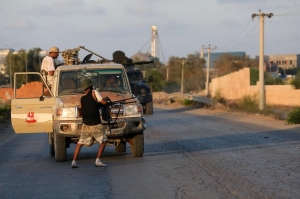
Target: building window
{"x": 291, "y": 62}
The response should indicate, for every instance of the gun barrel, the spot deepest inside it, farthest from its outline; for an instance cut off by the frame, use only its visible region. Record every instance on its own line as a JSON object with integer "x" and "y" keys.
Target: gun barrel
{"x": 143, "y": 62}
{"x": 93, "y": 53}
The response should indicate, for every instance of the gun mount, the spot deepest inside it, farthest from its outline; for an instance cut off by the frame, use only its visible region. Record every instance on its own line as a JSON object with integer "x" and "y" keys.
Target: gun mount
{"x": 70, "y": 57}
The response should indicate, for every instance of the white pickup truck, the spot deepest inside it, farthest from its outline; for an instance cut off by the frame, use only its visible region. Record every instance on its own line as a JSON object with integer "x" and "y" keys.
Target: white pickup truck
{"x": 55, "y": 110}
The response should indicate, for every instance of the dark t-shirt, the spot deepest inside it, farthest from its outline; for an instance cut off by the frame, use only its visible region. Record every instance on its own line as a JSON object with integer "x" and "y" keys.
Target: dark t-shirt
{"x": 90, "y": 109}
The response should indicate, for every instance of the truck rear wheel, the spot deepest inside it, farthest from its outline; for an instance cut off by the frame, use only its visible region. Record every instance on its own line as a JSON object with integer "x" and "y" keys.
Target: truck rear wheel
{"x": 137, "y": 145}
{"x": 120, "y": 147}
{"x": 149, "y": 108}
{"x": 60, "y": 148}
{"x": 51, "y": 144}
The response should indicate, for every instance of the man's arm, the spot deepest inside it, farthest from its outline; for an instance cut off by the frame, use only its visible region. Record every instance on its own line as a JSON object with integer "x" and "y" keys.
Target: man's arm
{"x": 80, "y": 109}
{"x": 51, "y": 73}
{"x": 99, "y": 97}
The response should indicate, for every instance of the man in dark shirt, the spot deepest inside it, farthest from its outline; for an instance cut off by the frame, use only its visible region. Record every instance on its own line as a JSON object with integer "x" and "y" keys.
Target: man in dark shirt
{"x": 92, "y": 128}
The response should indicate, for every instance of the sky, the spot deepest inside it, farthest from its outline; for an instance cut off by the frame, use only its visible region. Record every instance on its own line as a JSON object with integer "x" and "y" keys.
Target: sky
{"x": 184, "y": 26}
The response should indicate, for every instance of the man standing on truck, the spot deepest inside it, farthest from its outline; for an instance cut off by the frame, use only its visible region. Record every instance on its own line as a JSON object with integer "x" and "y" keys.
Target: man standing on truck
{"x": 92, "y": 128}
{"x": 48, "y": 64}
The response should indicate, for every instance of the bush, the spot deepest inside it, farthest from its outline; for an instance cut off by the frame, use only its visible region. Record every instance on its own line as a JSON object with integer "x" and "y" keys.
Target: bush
{"x": 4, "y": 113}
{"x": 248, "y": 103}
{"x": 184, "y": 102}
{"x": 294, "y": 116}
{"x": 269, "y": 80}
{"x": 296, "y": 81}
{"x": 218, "y": 98}
{"x": 187, "y": 102}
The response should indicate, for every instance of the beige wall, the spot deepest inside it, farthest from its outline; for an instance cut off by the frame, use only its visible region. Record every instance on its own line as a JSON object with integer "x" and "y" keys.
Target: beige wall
{"x": 236, "y": 85}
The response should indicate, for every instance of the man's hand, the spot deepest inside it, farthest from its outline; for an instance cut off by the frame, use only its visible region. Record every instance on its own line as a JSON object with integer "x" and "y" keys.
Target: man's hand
{"x": 108, "y": 101}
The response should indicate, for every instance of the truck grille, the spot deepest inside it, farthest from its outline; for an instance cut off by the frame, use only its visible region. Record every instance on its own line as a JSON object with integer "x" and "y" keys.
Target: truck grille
{"x": 117, "y": 111}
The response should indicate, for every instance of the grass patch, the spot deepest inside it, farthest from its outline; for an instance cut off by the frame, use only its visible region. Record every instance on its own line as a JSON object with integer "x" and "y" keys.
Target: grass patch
{"x": 186, "y": 102}
{"x": 294, "y": 116}
{"x": 4, "y": 112}
{"x": 218, "y": 98}
{"x": 249, "y": 103}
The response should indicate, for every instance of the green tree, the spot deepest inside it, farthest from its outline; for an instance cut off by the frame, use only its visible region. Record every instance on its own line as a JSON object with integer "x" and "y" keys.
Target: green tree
{"x": 269, "y": 80}
{"x": 16, "y": 62}
{"x": 194, "y": 76}
{"x": 157, "y": 84}
{"x": 228, "y": 63}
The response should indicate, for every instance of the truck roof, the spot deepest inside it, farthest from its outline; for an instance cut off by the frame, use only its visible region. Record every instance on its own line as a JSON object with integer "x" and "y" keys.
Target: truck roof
{"x": 90, "y": 66}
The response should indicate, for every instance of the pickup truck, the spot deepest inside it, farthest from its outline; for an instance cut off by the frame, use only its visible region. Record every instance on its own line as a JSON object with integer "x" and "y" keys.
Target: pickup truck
{"x": 54, "y": 110}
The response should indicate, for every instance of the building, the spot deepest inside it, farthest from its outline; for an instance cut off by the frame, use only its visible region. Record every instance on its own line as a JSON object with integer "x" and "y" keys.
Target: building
{"x": 3, "y": 56}
{"x": 288, "y": 61}
{"x": 139, "y": 56}
{"x": 272, "y": 69}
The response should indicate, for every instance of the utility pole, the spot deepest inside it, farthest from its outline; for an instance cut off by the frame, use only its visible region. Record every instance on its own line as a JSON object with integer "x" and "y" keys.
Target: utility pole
{"x": 26, "y": 64}
{"x": 261, "y": 17}
{"x": 209, "y": 49}
{"x": 167, "y": 65}
{"x": 183, "y": 61}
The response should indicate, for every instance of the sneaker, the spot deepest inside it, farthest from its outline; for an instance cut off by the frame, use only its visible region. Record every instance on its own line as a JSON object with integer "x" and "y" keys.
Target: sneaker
{"x": 98, "y": 163}
{"x": 74, "y": 164}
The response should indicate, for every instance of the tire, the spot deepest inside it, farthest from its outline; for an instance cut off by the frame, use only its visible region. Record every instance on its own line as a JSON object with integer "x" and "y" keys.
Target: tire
{"x": 137, "y": 145}
{"x": 60, "y": 148}
{"x": 120, "y": 147}
{"x": 149, "y": 108}
{"x": 51, "y": 144}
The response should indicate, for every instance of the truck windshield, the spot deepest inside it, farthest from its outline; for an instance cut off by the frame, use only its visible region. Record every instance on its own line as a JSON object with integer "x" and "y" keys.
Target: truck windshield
{"x": 113, "y": 80}
{"x": 134, "y": 76}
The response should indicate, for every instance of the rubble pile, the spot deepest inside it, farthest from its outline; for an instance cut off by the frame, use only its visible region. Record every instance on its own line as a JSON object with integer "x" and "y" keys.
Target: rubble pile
{"x": 29, "y": 90}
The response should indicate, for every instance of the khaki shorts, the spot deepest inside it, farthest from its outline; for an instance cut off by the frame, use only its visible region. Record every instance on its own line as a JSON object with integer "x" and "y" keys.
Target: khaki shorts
{"x": 91, "y": 133}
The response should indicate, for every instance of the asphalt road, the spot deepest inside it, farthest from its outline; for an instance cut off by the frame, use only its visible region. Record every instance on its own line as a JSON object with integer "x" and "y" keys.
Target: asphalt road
{"x": 189, "y": 153}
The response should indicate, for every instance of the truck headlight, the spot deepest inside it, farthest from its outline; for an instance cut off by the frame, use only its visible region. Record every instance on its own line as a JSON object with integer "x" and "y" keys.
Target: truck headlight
{"x": 133, "y": 109}
{"x": 67, "y": 112}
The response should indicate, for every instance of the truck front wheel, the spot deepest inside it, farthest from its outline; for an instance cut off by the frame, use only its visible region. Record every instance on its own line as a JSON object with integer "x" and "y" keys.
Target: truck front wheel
{"x": 60, "y": 148}
{"x": 51, "y": 144}
{"x": 137, "y": 145}
{"x": 149, "y": 108}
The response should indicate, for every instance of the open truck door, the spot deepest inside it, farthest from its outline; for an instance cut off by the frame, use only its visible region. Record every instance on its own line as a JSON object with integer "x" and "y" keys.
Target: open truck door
{"x": 33, "y": 104}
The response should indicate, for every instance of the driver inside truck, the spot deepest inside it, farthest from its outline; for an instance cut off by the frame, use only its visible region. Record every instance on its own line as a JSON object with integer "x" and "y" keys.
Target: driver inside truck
{"x": 111, "y": 81}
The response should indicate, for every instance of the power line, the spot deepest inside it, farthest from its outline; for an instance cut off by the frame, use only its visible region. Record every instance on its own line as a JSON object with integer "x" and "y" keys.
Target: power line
{"x": 236, "y": 36}
{"x": 245, "y": 40}
{"x": 161, "y": 48}
{"x": 291, "y": 13}
{"x": 145, "y": 44}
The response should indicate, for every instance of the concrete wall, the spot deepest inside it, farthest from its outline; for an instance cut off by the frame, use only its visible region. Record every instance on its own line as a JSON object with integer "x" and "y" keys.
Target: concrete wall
{"x": 236, "y": 85}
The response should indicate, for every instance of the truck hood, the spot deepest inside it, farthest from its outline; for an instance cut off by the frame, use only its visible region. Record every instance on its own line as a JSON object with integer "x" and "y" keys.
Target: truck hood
{"x": 73, "y": 100}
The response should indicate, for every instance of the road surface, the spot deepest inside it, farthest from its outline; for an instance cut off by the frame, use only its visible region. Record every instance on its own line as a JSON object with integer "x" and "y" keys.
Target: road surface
{"x": 189, "y": 153}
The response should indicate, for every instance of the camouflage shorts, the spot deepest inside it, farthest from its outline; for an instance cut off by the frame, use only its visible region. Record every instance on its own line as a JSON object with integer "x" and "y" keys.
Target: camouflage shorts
{"x": 91, "y": 133}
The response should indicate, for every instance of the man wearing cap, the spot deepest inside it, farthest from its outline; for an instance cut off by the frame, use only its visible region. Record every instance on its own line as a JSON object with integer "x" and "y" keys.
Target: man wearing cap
{"x": 92, "y": 128}
{"x": 48, "y": 64}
